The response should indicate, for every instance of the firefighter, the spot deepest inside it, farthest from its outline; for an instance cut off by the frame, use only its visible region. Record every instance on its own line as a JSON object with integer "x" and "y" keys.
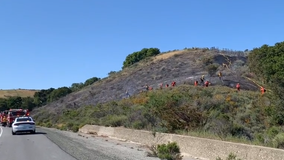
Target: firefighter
{"x": 127, "y": 94}
{"x": 262, "y": 89}
{"x": 4, "y": 121}
{"x": 206, "y": 83}
{"x": 238, "y": 86}
{"x": 195, "y": 83}
{"x": 202, "y": 79}
{"x": 146, "y": 87}
{"x": 161, "y": 86}
{"x": 220, "y": 75}
{"x": 173, "y": 83}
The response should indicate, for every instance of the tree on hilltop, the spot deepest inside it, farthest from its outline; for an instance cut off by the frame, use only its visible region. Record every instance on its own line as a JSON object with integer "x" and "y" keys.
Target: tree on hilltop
{"x": 140, "y": 55}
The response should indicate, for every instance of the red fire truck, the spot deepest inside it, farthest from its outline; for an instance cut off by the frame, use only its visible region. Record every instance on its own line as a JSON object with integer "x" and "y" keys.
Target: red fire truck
{"x": 14, "y": 113}
{"x": 3, "y": 117}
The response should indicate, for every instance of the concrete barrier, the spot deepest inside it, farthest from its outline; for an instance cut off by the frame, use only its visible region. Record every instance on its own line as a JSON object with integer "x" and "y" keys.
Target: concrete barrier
{"x": 197, "y": 147}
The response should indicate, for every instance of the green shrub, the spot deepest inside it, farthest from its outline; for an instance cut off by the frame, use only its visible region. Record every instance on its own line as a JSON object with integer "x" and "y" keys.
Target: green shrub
{"x": 48, "y": 125}
{"x": 135, "y": 57}
{"x": 273, "y": 131}
{"x": 231, "y": 156}
{"x": 278, "y": 141}
{"x": 138, "y": 125}
{"x": 114, "y": 120}
{"x": 69, "y": 125}
{"x": 63, "y": 127}
{"x": 75, "y": 128}
{"x": 170, "y": 151}
{"x": 260, "y": 138}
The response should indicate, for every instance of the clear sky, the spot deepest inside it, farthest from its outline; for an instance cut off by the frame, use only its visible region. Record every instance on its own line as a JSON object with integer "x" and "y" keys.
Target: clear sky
{"x": 54, "y": 43}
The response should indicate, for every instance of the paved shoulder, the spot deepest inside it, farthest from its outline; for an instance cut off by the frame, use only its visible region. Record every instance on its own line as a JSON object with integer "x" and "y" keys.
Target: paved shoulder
{"x": 99, "y": 148}
{"x": 52, "y": 144}
{"x": 29, "y": 147}
{"x": 89, "y": 147}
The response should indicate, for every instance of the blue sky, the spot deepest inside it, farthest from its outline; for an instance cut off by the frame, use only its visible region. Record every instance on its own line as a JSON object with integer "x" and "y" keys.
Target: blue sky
{"x": 54, "y": 43}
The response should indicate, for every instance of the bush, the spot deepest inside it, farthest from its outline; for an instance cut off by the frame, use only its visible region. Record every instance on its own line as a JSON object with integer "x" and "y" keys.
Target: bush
{"x": 114, "y": 120}
{"x": 273, "y": 131}
{"x": 140, "y": 55}
{"x": 231, "y": 156}
{"x": 278, "y": 141}
{"x": 48, "y": 124}
{"x": 75, "y": 128}
{"x": 170, "y": 151}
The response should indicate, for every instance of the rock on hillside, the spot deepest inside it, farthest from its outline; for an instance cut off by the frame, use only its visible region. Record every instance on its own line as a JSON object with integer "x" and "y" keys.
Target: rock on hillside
{"x": 184, "y": 67}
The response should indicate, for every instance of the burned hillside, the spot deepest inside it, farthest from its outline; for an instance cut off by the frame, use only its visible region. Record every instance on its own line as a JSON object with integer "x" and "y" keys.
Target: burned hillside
{"x": 183, "y": 67}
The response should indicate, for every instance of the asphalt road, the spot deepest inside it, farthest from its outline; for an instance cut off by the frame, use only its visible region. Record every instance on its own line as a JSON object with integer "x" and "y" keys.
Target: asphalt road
{"x": 29, "y": 147}
{"x": 53, "y": 144}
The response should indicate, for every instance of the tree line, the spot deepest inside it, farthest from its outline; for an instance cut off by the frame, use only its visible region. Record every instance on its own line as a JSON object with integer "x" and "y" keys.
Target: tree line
{"x": 43, "y": 96}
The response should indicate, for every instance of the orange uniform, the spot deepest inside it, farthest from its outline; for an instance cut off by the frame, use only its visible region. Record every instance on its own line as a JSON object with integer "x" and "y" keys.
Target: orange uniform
{"x": 196, "y": 83}
{"x": 238, "y": 86}
{"x": 206, "y": 83}
{"x": 262, "y": 89}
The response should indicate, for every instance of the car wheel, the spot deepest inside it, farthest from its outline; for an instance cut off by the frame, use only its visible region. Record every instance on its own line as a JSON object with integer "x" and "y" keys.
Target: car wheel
{"x": 33, "y": 132}
{"x": 13, "y": 133}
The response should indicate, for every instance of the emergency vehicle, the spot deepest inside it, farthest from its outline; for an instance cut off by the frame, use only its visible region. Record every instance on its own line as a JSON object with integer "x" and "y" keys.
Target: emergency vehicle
{"x": 14, "y": 113}
{"x": 3, "y": 117}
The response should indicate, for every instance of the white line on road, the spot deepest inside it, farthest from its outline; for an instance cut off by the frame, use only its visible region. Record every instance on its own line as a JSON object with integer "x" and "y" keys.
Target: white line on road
{"x": 1, "y": 131}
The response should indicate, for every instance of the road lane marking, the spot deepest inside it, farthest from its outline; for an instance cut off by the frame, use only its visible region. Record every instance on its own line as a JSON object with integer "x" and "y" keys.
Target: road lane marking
{"x": 1, "y": 131}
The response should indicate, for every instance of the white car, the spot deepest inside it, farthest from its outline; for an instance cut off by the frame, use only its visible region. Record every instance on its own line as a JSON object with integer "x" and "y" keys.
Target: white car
{"x": 23, "y": 124}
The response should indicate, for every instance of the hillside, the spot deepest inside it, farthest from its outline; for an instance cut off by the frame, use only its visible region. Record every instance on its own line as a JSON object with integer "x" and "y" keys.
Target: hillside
{"x": 17, "y": 93}
{"x": 183, "y": 66}
{"x": 219, "y": 111}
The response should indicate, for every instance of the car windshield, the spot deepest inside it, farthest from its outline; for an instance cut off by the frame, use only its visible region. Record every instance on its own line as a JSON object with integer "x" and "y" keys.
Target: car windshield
{"x": 24, "y": 119}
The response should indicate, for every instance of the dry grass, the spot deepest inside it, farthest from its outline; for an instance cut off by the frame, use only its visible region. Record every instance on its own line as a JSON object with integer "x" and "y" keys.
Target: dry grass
{"x": 168, "y": 55}
{"x": 17, "y": 92}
